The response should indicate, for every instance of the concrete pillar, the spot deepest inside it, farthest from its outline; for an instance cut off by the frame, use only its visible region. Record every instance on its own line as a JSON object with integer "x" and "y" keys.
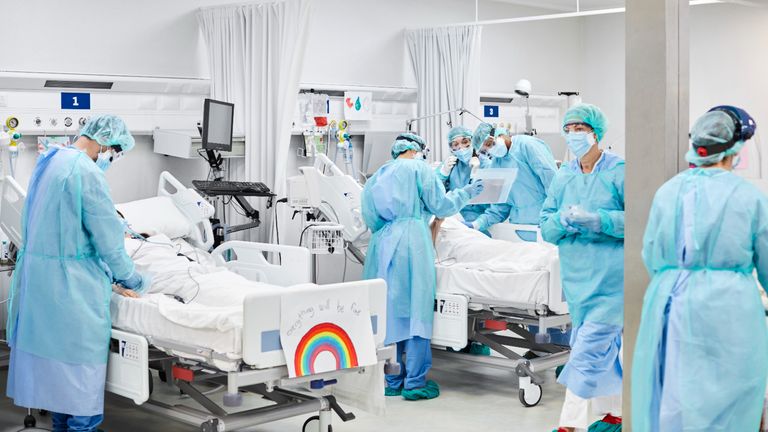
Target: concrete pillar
{"x": 657, "y": 71}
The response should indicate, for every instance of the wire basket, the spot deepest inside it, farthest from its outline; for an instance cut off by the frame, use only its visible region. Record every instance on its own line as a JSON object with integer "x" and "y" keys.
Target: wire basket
{"x": 325, "y": 238}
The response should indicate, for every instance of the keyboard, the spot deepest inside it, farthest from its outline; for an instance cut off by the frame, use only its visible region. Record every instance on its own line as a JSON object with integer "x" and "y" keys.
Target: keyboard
{"x": 221, "y": 187}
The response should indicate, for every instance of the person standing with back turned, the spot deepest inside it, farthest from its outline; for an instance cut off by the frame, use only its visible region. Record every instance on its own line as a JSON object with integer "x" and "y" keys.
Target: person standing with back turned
{"x": 59, "y": 324}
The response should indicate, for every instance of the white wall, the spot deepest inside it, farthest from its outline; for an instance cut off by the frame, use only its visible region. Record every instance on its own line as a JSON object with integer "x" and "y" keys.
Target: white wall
{"x": 602, "y": 70}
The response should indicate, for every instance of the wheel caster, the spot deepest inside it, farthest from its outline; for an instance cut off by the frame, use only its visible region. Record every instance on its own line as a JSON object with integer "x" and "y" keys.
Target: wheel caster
{"x": 151, "y": 383}
{"x": 30, "y": 421}
{"x": 530, "y": 395}
{"x": 233, "y": 399}
{"x": 211, "y": 425}
{"x": 312, "y": 424}
{"x": 162, "y": 375}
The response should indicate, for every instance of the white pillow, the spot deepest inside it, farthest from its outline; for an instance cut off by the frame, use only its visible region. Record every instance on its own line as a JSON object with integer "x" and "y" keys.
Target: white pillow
{"x": 156, "y": 215}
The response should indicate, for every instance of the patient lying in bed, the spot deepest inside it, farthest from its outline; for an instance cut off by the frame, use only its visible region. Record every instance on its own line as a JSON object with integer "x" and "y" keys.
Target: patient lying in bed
{"x": 187, "y": 287}
{"x": 457, "y": 245}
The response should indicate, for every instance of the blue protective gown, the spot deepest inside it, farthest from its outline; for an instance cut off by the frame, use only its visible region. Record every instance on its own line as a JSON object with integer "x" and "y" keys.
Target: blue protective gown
{"x": 702, "y": 348}
{"x": 535, "y": 169}
{"x": 398, "y": 202}
{"x": 592, "y": 270}
{"x": 457, "y": 179}
{"x": 59, "y": 322}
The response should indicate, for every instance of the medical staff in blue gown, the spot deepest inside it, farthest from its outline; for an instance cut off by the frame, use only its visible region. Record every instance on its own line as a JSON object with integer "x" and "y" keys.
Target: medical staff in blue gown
{"x": 584, "y": 216}
{"x": 535, "y": 170}
{"x": 457, "y": 168}
{"x": 702, "y": 349}
{"x": 59, "y": 323}
{"x": 398, "y": 202}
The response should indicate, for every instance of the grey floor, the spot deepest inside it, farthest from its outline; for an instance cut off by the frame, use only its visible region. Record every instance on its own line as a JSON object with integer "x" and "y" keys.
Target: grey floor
{"x": 474, "y": 398}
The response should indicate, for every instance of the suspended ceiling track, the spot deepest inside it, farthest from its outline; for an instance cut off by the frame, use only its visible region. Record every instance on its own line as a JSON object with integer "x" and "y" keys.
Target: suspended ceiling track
{"x": 586, "y": 13}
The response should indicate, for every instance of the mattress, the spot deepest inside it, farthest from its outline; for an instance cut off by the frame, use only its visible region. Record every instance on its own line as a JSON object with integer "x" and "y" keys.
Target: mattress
{"x": 190, "y": 303}
{"x": 530, "y": 288}
{"x": 496, "y": 271}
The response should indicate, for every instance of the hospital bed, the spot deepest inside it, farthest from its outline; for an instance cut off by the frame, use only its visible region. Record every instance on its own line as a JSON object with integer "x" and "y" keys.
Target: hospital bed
{"x": 472, "y": 305}
{"x": 248, "y": 361}
{"x": 498, "y": 303}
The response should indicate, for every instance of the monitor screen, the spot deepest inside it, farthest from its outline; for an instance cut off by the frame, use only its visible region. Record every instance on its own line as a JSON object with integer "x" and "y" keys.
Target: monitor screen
{"x": 218, "y": 118}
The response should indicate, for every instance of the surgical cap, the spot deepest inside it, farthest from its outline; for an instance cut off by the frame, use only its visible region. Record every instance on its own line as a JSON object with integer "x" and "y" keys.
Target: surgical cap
{"x": 501, "y": 131}
{"x": 108, "y": 131}
{"x": 407, "y": 141}
{"x": 458, "y": 131}
{"x": 481, "y": 134}
{"x": 588, "y": 114}
{"x": 714, "y": 127}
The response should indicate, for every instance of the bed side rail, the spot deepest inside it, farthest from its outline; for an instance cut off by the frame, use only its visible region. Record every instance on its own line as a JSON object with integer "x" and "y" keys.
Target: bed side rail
{"x": 248, "y": 259}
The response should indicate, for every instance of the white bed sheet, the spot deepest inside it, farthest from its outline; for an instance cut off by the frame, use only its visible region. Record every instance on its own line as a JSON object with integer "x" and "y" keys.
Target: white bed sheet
{"x": 472, "y": 264}
{"x": 212, "y": 315}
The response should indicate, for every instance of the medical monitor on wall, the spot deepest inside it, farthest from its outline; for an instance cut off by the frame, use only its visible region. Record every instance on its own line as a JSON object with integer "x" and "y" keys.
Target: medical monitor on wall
{"x": 218, "y": 120}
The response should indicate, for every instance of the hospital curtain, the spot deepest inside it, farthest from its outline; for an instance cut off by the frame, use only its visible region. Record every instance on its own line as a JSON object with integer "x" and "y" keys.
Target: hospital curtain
{"x": 255, "y": 56}
{"x": 445, "y": 61}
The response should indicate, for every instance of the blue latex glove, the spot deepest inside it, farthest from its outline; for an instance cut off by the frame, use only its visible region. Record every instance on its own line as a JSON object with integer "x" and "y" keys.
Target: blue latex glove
{"x": 565, "y": 220}
{"x": 468, "y": 225}
{"x": 474, "y": 189}
{"x": 587, "y": 221}
{"x": 135, "y": 282}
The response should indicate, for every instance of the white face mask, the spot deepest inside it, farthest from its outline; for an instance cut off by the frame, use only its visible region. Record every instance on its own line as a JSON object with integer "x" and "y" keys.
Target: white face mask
{"x": 499, "y": 150}
{"x": 104, "y": 160}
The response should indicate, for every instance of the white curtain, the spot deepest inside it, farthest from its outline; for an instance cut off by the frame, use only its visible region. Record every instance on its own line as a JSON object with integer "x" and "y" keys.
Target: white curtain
{"x": 255, "y": 54}
{"x": 446, "y": 63}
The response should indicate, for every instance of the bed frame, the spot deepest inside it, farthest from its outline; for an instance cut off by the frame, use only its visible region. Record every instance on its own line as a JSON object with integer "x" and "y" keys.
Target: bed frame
{"x": 461, "y": 318}
{"x": 262, "y": 370}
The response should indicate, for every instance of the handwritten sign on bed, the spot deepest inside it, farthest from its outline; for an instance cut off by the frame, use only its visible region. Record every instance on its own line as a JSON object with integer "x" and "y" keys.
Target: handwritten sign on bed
{"x": 323, "y": 330}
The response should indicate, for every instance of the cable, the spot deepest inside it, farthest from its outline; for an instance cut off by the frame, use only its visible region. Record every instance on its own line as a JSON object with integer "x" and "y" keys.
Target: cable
{"x": 301, "y": 236}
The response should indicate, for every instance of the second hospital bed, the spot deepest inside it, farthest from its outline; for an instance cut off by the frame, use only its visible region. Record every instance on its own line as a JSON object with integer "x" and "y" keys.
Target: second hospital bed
{"x": 233, "y": 339}
{"x": 504, "y": 294}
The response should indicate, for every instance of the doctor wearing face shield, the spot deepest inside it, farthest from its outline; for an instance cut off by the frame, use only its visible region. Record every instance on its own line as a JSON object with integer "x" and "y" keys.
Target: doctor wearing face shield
{"x": 702, "y": 347}
{"x": 535, "y": 169}
{"x": 584, "y": 216}
{"x": 59, "y": 323}
{"x": 398, "y": 201}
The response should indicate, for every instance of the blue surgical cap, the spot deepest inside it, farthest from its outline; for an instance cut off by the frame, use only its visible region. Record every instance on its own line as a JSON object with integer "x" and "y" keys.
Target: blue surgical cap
{"x": 714, "y": 127}
{"x": 481, "y": 134}
{"x": 407, "y": 141}
{"x": 587, "y": 114}
{"x": 501, "y": 131}
{"x": 108, "y": 131}
{"x": 458, "y": 131}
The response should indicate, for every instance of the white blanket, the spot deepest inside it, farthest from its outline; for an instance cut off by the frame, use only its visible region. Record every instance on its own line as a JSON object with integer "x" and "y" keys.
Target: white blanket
{"x": 458, "y": 245}
{"x": 212, "y": 296}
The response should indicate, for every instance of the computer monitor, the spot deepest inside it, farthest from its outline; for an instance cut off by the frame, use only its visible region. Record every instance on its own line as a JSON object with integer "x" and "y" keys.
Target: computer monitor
{"x": 218, "y": 119}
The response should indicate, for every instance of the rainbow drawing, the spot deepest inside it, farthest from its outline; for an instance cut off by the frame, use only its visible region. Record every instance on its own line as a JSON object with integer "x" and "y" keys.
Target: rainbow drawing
{"x": 324, "y": 337}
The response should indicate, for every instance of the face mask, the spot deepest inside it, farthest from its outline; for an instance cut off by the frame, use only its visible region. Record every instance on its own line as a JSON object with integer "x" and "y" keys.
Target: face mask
{"x": 500, "y": 149}
{"x": 420, "y": 156}
{"x": 580, "y": 143}
{"x": 463, "y": 155}
{"x": 104, "y": 160}
{"x": 485, "y": 160}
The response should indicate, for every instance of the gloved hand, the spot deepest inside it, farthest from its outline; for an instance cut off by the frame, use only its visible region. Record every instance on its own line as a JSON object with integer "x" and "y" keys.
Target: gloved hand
{"x": 565, "y": 220}
{"x": 468, "y": 224}
{"x": 587, "y": 221}
{"x": 135, "y": 282}
{"x": 474, "y": 189}
{"x": 448, "y": 165}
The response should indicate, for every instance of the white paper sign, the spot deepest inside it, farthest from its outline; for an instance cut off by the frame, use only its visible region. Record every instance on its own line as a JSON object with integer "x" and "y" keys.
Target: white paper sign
{"x": 358, "y": 105}
{"x": 323, "y": 330}
{"x": 497, "y": 182}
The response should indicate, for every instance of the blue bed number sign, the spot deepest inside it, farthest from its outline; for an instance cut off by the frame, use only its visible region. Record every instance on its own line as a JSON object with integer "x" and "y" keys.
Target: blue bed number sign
{"x": 76, "y": 101}
{"x": 490, "y": 110}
